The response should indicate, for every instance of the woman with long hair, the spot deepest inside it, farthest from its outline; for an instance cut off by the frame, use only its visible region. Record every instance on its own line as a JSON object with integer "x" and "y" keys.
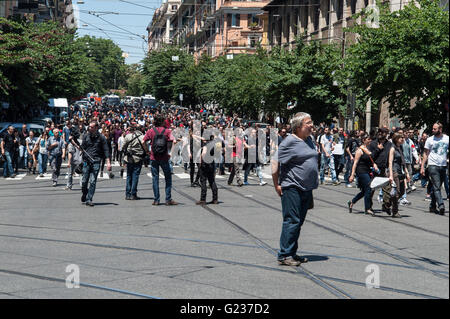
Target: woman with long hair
{"x": 397, "y": 172}
{"x": 362, "y": 166}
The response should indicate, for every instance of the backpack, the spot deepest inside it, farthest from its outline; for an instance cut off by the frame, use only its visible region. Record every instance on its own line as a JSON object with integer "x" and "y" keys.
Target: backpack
{"x": 159, "y": 145}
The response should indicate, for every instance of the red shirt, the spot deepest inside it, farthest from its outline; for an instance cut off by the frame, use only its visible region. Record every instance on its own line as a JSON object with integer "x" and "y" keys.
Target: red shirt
{"x": 150, "y": 135}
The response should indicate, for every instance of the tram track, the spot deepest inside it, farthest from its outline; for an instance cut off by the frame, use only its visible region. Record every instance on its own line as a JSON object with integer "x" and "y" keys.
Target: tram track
{"x": 340, "y": 233}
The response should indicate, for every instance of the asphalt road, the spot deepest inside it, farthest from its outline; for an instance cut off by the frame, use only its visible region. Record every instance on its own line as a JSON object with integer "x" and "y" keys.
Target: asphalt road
{"x": 131, "y": 249}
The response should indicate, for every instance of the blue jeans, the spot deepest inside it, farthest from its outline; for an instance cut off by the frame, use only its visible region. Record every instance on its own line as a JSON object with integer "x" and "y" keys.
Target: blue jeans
{"x": 23, "y": 157}
{"x": 133, "y": 172}
{"x": 42, "y": 160}
{"x": 7, "y": 166}
{"x": 89, "y": 179}
{"x": 366, "y": 192}
{"x": 329, "y": 161}
{"x": 155, "y": 177}
{"x": 55, "y": 164}
{"x": 295, "y": 204}
{"x": 348, "y": 169}
{"x": 437, "y": 177}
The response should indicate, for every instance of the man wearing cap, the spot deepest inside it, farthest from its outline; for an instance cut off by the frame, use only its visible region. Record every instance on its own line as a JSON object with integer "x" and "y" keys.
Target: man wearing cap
{"x": 134, "y": 149}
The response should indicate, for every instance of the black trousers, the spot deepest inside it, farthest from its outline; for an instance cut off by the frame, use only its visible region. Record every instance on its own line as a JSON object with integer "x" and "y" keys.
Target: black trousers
{"x": 192, "y": 172}
{"x": 207, "y": 172}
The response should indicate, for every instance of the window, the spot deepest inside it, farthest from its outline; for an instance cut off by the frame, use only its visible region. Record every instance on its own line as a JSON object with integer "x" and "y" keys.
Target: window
{"x": 353, "y": 6}
{"x": 340, "y": 9}
{"x": 174, "y": 7}
{"x": 253, "y": 20}
{"x": 235, "y": 20}
{"x": 253, "y": 41}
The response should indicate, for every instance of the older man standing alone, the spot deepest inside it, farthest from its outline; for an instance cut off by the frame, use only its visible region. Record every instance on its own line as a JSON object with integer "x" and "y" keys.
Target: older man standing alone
{"x": 295, "y": 175}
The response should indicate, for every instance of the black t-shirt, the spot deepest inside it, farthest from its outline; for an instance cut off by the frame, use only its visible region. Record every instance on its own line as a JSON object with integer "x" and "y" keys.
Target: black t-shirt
{"x": 353, "y": 145}
{"x": 8, "y": 139}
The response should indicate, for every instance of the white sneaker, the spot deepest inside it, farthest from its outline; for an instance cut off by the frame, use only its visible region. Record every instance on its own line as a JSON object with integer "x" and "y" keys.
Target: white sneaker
{"x": 405, "y": 202}
{"x": 413, "y": 188}
{"x": 349, "y": 186}
{"x": 262, "y": 183}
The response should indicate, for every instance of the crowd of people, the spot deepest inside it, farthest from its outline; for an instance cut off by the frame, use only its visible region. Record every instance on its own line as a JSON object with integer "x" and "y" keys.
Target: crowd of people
{"x": 207, "y": 143}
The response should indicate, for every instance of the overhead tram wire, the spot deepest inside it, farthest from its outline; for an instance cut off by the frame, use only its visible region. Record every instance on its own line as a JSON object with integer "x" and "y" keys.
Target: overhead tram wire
{"x": 135, "y": 34}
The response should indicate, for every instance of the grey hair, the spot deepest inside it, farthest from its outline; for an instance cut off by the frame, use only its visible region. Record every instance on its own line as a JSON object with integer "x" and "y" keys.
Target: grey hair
{"x": 297, "y": 120}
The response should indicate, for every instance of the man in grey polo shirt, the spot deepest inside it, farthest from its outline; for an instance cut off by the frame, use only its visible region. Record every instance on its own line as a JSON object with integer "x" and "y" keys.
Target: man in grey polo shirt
{"x": 56, "y": 151}
{"x": 295, "y": 175}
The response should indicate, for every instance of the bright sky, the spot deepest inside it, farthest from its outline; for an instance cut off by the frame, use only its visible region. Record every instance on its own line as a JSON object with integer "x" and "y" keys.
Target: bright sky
{"x": 123, "y": 21}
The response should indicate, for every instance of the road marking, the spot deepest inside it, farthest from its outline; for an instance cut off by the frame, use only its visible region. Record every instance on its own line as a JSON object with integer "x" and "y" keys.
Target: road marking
{"x": 18, "y": 177}
{"x": 183, "y": 176}
{"x": 47, "y": 176}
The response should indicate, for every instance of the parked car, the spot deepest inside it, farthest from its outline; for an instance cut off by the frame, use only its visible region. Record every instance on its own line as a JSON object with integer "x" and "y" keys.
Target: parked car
{"x": 38, "y": 129}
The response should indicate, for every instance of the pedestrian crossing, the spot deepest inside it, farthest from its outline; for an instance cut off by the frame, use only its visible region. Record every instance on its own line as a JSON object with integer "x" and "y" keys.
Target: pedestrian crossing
{"x": 179, "y": 174}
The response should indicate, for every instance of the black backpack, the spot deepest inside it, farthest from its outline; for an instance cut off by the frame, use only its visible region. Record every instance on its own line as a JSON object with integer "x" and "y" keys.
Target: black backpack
{"x": 159, "y": 145}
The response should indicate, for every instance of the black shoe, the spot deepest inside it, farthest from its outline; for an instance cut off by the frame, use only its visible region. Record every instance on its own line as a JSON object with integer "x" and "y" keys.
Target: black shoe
{"x": 396, "y": 215}
{"x": 350, "y": 206}
{"x": 121, "y": 173}
{"x": 387, "y": 210}
{"x": 83, "y": 198}
{"x": 91, "y": 204}
{"x": 442, "y": 211}
{"x": 433, "y": 210}
{"x": 300, "y": 259}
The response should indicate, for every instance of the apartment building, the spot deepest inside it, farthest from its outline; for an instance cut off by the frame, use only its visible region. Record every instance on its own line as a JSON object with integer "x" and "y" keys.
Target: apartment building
{"x": 159, "y": 29}
{"x": 39, "y": 10}
{"x": 6, "y": 8}
{"x": 212, "y": 27}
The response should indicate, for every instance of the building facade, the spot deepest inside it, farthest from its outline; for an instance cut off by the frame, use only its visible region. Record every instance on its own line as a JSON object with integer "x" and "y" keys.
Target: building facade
{"x": 39, "y": 10}
{"x": 212, "y": 27}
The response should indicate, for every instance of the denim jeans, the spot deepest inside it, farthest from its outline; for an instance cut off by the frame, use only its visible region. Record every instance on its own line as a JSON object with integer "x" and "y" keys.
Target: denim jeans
{"x": 7, "y": 166}
{"x": 348, "y": 169}
{"x": 133, "y": 172}
{"x": 329, "y": 161}
{"x": 23, "y": 156}
{"x": 249, "y": 167}
{"x": 89, "y": 179}
{"x": 437, "y": 176}
{"x": 155, "y": 177}
{"x": 294, "y": 203}
{"x": 42, "y": 160}
{"x": 70, "y": 172}
{"x": 366, "y": 191}
{"x": 55, "y": 164}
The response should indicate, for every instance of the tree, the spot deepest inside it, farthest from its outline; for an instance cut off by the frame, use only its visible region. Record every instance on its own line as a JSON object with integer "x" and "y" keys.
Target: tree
{"x": 108, "y": 57}
{"x": 304, "y": 76}
{"x": 405, "y": 61}
{"x": 160, "y": 72}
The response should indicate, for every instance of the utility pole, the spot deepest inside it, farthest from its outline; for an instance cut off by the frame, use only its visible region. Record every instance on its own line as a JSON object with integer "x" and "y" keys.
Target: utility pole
{"x": 368, "y": 114}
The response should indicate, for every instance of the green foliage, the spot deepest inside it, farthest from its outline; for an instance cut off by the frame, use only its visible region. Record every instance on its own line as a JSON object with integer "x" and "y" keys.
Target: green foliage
{"x": 162, "y": 77}
{"x": 405, "y": 61}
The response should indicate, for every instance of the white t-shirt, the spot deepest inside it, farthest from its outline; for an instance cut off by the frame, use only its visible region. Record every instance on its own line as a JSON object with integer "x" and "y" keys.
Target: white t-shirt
{"x": 438, "y": 150}
{"x": 327, "y": 141}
